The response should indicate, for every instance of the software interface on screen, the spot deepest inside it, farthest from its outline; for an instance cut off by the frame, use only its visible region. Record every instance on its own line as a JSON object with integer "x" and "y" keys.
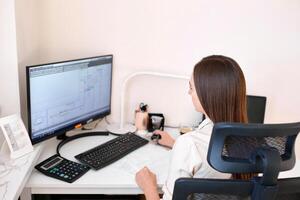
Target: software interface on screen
{"x": 65, "y": 93}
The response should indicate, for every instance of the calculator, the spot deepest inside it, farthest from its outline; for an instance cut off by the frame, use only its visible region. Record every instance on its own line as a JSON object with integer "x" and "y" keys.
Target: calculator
{"x": 62, "y": 169}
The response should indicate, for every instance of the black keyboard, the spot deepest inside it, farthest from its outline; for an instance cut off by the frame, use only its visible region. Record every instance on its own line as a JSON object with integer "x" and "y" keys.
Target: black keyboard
{"x": 111, "y": 151}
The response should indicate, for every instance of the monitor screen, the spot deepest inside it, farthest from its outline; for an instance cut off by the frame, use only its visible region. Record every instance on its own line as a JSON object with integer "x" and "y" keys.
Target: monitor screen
{"x": 63, "y": 94}
{"x": 256, "y": 106}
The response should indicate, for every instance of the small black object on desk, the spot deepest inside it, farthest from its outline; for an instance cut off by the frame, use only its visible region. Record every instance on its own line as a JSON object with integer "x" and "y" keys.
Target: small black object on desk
{"x": 156, "y": 137}
{"x": 156, "y": 122}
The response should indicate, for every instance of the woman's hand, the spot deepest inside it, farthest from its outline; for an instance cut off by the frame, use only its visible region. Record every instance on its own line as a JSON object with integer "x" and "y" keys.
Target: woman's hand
{"x": 166, "y": 139}
{"x": 146, "y": 180}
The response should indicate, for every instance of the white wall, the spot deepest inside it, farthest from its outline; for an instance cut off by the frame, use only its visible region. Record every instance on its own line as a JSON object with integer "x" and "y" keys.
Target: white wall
{"x": 28, "y": 29}
{"x": 9, "y": 101}
{"x": 9, "y": 89}
{"x": 171, "y": 36}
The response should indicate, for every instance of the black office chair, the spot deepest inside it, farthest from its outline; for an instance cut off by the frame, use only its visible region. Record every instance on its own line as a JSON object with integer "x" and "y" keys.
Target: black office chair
{"x": 247, "y": 148}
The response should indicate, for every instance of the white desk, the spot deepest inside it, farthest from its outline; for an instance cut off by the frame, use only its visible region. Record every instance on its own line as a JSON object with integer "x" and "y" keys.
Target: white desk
{"x": 295, "y": 172}
{"x": 14, "y": 176}
{"x": 117, "y": 178}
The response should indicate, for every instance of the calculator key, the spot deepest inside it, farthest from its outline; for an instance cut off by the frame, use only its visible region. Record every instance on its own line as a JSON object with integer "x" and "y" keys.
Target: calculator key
{"x": 62, "y": 169}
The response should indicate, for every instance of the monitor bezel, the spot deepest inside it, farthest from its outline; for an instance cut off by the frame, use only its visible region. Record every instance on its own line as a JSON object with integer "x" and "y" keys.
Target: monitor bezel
{"x": 63, "y": 130}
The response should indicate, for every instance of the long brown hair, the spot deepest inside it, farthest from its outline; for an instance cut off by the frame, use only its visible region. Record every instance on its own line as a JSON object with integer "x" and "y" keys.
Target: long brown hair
{"x": 221, "y": 88}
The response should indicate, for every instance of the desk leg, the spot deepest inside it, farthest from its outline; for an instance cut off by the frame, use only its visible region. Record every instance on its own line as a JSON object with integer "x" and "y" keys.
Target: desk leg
{"x": 26, "y": 194}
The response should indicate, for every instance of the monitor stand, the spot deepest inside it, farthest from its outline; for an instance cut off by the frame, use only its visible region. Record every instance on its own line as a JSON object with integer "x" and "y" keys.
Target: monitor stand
{"x": 62, "y": 136}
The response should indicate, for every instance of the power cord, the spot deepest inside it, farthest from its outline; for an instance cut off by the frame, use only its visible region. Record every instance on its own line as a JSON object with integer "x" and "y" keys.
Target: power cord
{"x": 86, "y": 134}
{"x": 71, "y": 138}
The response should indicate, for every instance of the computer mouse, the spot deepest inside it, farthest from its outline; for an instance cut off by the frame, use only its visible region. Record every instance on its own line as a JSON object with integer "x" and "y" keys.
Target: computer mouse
{"x": 155, "y": 137}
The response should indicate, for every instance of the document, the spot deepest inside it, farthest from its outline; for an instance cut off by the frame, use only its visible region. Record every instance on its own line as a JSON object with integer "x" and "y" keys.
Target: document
{"x": 155, "y": 157}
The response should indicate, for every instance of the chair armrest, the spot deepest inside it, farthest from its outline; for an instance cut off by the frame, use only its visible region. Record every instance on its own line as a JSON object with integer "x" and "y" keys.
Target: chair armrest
{"x": 187, "y": 186}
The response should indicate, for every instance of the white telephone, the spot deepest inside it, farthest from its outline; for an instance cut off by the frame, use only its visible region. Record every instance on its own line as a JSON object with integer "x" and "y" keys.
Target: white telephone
{"x": 16, "y": 136}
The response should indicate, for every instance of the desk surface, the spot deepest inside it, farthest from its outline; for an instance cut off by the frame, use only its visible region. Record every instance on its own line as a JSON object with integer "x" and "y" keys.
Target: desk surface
{"x": 14, "y": 175}
{"x": 117, "y": 178}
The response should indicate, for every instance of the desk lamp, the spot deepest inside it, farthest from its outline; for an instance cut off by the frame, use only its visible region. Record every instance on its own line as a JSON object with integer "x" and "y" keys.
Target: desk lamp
{"x": 125, "y": 128}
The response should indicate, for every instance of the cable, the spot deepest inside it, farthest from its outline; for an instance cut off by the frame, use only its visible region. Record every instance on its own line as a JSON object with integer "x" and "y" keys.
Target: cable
{"x": 70, "y": 138}
{"x": 86, "y": 134}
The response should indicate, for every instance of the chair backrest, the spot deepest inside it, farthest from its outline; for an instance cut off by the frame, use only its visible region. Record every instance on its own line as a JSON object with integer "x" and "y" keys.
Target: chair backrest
{"x": 233, "y": 146}
{"x": 256, "y": 106}
{"x": 246, "y": 148}
{"x": 217, "y": 189}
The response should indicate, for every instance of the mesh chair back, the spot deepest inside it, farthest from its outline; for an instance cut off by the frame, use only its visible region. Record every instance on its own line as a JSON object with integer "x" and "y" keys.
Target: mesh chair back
{"x": 216, "y": 189}
{"x": 233, "y": 145}
{"x": 246, "y": 148}
{"x": 211, "y": 189}
{"x": 204, "y": 196}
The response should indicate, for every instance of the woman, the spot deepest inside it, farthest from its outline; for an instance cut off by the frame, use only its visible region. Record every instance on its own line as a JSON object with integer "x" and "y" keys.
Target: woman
{"x": 218, "y": 90}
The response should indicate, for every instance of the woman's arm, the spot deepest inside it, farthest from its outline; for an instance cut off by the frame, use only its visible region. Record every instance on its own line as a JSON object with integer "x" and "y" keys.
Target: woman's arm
{"x": 147, "y": 182}
{"x": 152, "y": 195}
{"x": 166, "y": 139}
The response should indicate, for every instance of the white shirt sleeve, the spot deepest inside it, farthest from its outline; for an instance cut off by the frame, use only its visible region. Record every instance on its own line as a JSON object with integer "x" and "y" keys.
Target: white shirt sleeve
{"x": 185, "y": 161}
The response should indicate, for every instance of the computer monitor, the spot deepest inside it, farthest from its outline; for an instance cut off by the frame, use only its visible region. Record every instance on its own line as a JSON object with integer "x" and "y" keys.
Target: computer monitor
{"x": 64, "y": 94}
{"x": 256, "y": 106}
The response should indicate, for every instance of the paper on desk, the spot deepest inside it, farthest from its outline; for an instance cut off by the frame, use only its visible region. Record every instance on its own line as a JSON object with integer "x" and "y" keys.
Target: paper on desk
{"x": 156, "y": 158}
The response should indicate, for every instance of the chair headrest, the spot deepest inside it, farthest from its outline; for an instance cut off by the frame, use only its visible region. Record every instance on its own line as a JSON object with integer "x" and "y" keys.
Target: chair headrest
{"x": 232, "y": 145}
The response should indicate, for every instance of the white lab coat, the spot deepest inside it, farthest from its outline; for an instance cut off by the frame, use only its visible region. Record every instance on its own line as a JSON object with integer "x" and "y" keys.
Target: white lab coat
{"x": 189, "y": 158}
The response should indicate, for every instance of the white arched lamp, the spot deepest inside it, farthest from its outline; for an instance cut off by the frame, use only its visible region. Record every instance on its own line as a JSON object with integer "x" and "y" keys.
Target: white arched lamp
{"x": 123, "y": 128}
